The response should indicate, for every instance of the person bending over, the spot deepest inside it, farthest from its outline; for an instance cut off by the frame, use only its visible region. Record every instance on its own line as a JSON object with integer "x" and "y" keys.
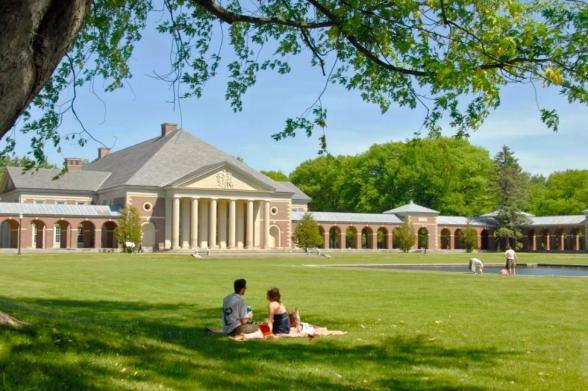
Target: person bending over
{"x": 236, "y": 320}
{"x": 277, "y": 318}
{"x": 476, "y": 266}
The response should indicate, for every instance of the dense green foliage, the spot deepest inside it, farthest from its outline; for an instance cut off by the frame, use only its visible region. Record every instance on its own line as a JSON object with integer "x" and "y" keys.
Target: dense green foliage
{"x": 112, "y": 322}
{"x": 446, "y": 174}
{"x": 129, "y": 226}
{"x": 404, "y": 236}
{"x": 451, "y": 57}
{"x": 307, "y": 233}
{"x": 562, "y": 193}
{"x": 511, "y": 186}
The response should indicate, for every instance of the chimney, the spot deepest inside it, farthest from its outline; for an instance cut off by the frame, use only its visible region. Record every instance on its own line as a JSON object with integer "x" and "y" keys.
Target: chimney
{"x": 167, "y": 128}
{"x": 73, "y": 164}
{"x": 103, "y": 151}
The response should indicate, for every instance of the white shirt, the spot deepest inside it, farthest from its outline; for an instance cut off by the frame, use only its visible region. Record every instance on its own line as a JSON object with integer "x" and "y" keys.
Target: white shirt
{"x": 509, "y": 254}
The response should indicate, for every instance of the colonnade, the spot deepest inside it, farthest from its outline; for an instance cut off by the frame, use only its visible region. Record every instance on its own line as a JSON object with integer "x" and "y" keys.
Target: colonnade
{"x": 198, "y": 222}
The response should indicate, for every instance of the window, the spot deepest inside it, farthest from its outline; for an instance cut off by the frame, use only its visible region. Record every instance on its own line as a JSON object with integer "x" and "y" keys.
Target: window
{"x": 81, "y": 203}
{"x": 147, "y": 206}
{"x": 274, "y": 210}
{"x": 60, "y": 202}
{"x": 38, "y": 202}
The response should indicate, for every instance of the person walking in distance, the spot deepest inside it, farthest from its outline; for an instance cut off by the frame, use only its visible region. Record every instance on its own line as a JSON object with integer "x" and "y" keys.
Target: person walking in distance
{"x": 511, "y": 260}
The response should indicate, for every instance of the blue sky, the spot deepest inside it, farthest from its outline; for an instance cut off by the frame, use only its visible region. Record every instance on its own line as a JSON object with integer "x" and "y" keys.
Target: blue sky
{"x": 134, "y": 114}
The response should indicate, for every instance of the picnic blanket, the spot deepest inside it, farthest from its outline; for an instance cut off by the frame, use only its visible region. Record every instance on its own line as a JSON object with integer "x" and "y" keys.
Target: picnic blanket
{"x": 307, "y": 330}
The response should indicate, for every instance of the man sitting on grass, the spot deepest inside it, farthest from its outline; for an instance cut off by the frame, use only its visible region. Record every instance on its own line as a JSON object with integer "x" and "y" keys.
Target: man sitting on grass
{"x": 236, "y": 319}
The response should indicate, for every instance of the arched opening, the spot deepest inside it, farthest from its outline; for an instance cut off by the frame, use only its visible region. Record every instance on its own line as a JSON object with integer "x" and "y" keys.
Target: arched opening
{"x": 366, "y": 238}
{"x": 9, "y": 234}
{"x": 484, "y": 240}
{"x": 322, "y": 233}
{"x": 529, "y": 239}
{"x": 382, "y": 236}
{"x": 395, "y": 243}
{"x": 61, "y": 234}
{"x": 85, "y": 235}
{"x": 148, "y": 235}
{"x": 445, "y": 239}
{"x": 108, "y": 236}
{"x": 38, "y": 231}
{"x": 458, "y": 243}
{"x": 543, "y": 240}
{"x": 274, "y": 237}
{"x": 557, "y": 240}
{"x": 350, "y": 235}
{"x": 570, "y": 240}
{"x": 334, "y": 237}
{"x": 423, "y": 238}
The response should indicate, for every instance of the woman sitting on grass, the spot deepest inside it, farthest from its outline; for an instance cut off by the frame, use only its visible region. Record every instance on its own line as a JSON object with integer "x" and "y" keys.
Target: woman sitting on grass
{"x": 277, "y": 318}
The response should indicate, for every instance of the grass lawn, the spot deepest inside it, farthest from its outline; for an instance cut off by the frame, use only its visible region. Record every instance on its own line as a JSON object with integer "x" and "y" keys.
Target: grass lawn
{"x": 137, "y": 322}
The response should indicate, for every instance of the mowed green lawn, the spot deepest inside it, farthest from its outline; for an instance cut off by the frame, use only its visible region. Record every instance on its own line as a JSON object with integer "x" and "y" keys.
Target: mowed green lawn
{"x": 137, "y": 322}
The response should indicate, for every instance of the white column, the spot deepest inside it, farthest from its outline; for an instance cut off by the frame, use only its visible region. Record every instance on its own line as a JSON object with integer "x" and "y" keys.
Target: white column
{"x": 168, "y": 222}
{"x": 257, "y": 224}
{"x": 222, "y": 223}
{"x": 240, "y": 224}
{"x": 266, "y": 224}
{"x": 176, "y": 224}
{"x": 194, "y": 224}
{"x": 203, "y": 223}
{"x": 212, "y": 225}
{"x": 185, "y": 223}
{"x": 249, "y": 241}
{"x": 232, "y": 225}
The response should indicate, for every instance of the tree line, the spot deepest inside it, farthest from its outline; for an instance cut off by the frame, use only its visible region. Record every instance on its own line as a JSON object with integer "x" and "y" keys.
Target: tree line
{"x": 447, "y": 174}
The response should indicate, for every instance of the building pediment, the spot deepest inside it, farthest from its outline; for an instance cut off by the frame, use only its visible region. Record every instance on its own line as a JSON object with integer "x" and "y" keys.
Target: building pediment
{"x": 223, "y": 177}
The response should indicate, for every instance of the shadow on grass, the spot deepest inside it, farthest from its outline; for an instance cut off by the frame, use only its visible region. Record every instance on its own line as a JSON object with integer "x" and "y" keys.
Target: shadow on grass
{"x": 113, "y": 345}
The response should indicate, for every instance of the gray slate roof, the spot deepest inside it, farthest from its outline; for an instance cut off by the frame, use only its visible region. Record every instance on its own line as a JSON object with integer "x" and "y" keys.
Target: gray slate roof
{"x": 299, "y": 195}
{"x": 463, "y": 221}
{"x": 163, "y": 160}
{"x": 15, "y": 208}
{"x": 337, "y": 217}
{"x": 495, "y": 213}
{"x": 43, "y": 179}
{"x": 557, "y": 220}
{"x": 411, "y": 207}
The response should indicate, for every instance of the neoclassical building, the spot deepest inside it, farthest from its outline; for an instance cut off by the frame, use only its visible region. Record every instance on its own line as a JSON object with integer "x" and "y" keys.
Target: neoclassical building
{"x": 188, "y": 193}
{"x": 191, "y": 195}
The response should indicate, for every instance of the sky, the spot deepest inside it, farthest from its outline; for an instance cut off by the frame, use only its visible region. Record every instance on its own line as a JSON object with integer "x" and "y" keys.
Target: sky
{"x": 134, "y": 114}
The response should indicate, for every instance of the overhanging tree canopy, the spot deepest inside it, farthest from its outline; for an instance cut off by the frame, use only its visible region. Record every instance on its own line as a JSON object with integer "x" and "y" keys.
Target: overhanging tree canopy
{"x": 450, "y": 56}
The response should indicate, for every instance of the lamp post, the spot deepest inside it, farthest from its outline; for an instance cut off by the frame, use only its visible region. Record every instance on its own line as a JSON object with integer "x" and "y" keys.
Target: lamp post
{"x": 19, "y": 231}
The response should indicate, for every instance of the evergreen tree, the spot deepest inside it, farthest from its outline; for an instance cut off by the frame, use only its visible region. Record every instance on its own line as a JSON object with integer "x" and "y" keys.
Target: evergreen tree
{"x": 307, "y": 232}
{"x": 129, "y": 226}
{"x": 405, "y": 236}
{"x": 511, "y": 187}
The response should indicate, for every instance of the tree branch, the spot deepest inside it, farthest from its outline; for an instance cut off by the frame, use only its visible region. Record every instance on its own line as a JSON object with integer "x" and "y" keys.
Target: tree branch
{"x": 362, "y": 49}
{"x": 231, "y": 17}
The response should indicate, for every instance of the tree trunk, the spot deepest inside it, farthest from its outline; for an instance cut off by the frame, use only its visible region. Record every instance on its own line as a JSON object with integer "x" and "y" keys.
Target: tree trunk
{"x": 7, "y": 320}
{"x": 35, "y": 36}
